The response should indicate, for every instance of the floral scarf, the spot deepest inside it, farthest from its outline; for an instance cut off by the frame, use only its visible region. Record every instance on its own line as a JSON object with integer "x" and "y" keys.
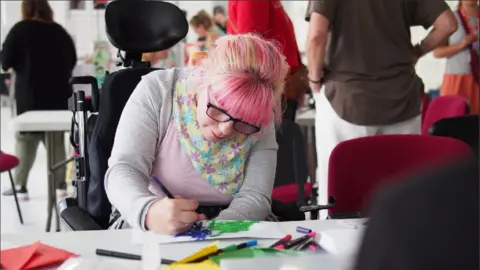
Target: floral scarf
{"x": 221, "y": 163}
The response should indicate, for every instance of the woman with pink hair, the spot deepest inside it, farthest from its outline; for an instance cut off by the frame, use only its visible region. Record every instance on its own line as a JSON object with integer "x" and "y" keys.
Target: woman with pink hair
{"x": 205, "y": 134}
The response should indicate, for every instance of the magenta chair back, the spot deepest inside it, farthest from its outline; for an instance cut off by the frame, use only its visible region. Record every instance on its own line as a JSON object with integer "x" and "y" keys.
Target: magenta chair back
{"x": 360, "y": 166}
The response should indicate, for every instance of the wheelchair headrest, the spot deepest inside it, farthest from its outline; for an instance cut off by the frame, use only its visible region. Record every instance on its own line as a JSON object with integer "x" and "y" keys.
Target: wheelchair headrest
{"x": 142, "y": 26}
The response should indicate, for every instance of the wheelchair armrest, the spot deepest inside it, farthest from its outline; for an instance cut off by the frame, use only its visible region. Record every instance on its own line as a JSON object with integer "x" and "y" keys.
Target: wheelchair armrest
{"x": 75, "y": 217}
{"x": 312, "y": 208}
{"x": 346, "y": 215}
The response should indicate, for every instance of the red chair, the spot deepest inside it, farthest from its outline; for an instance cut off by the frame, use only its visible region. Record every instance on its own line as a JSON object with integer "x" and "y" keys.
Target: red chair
{"x": 7, "y": 163}
{"x": 360, "y": 166}
{"x": 444, "y": 107}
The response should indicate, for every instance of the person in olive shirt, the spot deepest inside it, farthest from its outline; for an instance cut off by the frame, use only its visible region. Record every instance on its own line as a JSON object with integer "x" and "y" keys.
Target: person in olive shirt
{"x": 43, "y": 56}
{"x": 361, "y": 51}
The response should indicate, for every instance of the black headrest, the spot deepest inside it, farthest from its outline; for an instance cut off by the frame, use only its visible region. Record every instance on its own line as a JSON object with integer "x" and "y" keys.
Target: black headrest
{"x": 144, "y": 25}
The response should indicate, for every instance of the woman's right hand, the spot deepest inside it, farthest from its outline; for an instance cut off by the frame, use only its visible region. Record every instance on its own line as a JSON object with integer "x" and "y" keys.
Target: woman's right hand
{"x": 172, "y": 216}
{"x": 467, "y": 40}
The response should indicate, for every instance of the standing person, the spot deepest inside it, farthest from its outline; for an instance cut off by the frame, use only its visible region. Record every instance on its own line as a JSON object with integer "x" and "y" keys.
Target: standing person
{"x": 43, "y": 56}
{"x": 269, "y": 19}
{"x": 220, "y": 18}
{"x": 205, "y": 29}
{"x": 462, "y": 52}
{"x": 371, "y": 86}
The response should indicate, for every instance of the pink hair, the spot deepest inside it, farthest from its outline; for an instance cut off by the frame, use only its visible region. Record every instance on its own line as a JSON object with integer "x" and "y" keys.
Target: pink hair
{"x": 247, "y": 76}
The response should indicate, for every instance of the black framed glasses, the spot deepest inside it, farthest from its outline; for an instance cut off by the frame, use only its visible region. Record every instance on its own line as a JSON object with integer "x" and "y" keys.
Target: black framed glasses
{"x": 221, "y": 115}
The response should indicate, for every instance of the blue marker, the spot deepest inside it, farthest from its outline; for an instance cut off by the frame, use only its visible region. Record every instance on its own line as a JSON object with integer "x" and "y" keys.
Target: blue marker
{"x": 303, "y": 230}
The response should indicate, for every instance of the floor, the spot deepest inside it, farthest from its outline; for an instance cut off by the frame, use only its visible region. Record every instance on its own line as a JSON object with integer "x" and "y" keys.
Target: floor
{"x": 35, "y": 209}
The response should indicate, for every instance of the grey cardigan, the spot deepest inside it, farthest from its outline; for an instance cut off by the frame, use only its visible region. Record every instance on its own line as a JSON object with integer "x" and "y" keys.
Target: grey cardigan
{"x": 140, "y": 130}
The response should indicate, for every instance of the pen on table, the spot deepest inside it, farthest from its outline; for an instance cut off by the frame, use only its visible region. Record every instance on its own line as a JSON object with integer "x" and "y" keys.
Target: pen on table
{"x": 314, "y": 246}
{"x": 121, "y": 255}
{"x": 164, "y": 189}
{"x": 226, "y": 249}
{"x": 303, "y": 245}
{"x": 296, "y": 241}
{"x": 284, "y": 240}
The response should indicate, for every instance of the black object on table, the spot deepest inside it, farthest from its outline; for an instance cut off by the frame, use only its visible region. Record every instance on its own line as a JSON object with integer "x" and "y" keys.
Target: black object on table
{"x": 128, "y": 256}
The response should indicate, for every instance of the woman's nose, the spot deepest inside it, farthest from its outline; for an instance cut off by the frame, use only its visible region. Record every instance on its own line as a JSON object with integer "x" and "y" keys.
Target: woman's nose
{"x": 226, "y": 128}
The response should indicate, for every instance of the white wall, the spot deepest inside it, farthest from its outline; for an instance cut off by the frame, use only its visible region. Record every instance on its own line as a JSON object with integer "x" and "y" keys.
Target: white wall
{"x": 88, "y": 25}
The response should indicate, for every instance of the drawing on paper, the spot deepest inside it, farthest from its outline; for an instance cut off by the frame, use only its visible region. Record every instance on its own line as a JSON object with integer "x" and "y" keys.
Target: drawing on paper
{"x": 216, "y": 228}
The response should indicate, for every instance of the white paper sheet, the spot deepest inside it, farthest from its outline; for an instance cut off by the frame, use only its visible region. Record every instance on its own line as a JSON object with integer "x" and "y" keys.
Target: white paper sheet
{"x": 341, "y": 241}
{"x": 260, "y": 230}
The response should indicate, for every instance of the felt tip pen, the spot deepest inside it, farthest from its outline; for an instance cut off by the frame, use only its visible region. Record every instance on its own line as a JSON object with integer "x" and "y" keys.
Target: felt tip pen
{"x": 284, "y": 240}
{"x": 121, "y": 255}
{"x": 162, "y": 187}
{"x": 296, "y": 241}
{"x": 226, "y": 249}
{"x": 314, "y": 246}
{"x": 303, "y": 245}
{"x": 303, "y": 230}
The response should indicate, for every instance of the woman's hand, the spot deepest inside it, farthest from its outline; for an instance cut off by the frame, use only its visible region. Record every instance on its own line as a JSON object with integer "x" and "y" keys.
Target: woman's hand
{"x": 172, "y": 216}
{"x": 467, "y": 40}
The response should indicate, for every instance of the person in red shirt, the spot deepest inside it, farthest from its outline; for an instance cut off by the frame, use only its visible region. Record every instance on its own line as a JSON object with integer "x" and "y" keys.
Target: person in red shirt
{"x": 269, "y": 19}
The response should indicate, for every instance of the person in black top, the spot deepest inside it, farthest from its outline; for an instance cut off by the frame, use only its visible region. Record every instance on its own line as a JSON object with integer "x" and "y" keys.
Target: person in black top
{"x": 43, "y": 56}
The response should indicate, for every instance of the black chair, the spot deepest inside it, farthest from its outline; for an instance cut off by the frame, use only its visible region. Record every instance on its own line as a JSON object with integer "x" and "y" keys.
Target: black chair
{"x": 464, "y": 128}
{"x": 134, "y": 27}
{"x": 291, "y": 186}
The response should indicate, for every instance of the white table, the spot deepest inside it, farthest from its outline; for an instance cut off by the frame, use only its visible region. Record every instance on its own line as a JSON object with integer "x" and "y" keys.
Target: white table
{"x": 48, "y": 122}
{"x": 306, "y": 118}
{"x": 84, "y": 243}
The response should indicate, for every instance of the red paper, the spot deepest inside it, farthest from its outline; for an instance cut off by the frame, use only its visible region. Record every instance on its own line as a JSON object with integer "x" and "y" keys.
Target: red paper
{"x": 32, "y": 256}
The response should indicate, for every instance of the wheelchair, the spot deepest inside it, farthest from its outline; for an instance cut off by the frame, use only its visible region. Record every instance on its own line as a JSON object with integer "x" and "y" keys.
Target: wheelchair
{"x": 133, "y": 27}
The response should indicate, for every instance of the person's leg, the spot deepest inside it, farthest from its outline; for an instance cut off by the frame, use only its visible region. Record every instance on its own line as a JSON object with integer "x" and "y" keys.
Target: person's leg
{"x": 59, "y": 156}
{"x": 410, "y": 126}
{"x": 330, "y": 130}
{"x": 26, "y": 145}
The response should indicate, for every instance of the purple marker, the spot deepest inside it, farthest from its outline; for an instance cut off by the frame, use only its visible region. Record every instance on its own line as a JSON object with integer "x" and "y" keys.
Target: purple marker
{"x": 303, "y": 230}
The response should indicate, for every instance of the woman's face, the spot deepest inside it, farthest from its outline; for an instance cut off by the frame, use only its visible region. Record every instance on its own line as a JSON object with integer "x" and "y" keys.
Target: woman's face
{"x": 470, "y": 3}
{"x": 200, "y": 30}
{"x": 213, "y": 130}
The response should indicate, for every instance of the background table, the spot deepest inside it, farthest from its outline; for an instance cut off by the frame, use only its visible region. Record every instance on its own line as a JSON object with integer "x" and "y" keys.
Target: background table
{"x": 85, "y": 243}
{"x": 49, "y": 123}
{"x": 306, "y": 119}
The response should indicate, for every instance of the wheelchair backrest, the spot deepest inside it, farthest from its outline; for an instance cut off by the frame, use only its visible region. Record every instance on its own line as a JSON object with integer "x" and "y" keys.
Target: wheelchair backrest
{"x": 291, "y": 155}
{"x": 135, "y": 27}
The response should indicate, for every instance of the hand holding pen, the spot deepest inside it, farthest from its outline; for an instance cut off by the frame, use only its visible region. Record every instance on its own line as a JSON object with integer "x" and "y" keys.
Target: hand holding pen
{"x": 171, "y": 215}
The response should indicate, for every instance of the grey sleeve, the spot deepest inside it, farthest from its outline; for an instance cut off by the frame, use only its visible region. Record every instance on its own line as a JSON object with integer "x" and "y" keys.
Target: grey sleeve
{"x": 133, "y": 153}
{"x": 253, "y": 201}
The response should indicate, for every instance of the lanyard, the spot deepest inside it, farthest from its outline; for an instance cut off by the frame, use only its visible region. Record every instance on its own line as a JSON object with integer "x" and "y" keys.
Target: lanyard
{"x": 468, "y": 27}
